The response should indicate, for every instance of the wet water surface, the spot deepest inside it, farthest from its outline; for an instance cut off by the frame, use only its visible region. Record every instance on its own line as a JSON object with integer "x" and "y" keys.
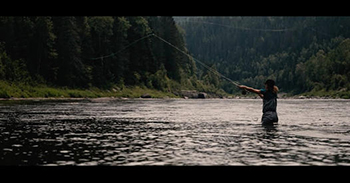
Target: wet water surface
{"x": 174, "y": 132}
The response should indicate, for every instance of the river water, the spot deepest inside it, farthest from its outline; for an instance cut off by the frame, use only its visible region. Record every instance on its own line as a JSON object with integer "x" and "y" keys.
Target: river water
{"x": 174, "y": 132}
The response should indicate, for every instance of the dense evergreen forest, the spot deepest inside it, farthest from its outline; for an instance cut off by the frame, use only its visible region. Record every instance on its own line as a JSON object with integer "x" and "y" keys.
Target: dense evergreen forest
{"x": 303, "y": 54}
{"x": 104, "y": 52}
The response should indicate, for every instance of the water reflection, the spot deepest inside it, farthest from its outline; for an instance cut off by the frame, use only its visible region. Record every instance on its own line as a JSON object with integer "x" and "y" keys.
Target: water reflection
{"x": 170, "y": 132}
{"x": 271, "y": 130}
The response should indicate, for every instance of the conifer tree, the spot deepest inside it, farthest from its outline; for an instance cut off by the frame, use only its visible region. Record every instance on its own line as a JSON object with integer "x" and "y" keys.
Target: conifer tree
{"x": 71, "y": 71}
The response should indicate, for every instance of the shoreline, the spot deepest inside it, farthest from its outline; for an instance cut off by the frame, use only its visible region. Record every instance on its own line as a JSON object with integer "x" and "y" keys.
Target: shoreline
{"x": 23, "y": 92}
{"x": 101, "y": 99}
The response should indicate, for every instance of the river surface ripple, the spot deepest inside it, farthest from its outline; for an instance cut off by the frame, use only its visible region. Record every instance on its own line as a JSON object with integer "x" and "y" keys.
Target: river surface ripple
{"x": 174, "y": 132}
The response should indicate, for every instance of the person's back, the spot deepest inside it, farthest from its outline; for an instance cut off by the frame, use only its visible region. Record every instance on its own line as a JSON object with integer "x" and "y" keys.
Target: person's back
{"x": 269, "y": 102}
{"x": 269, "y": 96}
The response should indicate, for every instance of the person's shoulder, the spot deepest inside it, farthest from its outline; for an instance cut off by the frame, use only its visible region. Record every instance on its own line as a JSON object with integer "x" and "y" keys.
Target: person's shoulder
{"x": 262, "y": 91}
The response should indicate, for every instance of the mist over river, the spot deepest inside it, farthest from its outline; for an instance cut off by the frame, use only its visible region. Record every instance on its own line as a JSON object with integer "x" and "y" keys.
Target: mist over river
{"x": 174, "y": 132}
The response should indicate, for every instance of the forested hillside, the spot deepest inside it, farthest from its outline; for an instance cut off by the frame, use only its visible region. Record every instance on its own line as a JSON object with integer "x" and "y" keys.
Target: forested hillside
{"x": 84, "y": 52}
{"x": 302, "y": 54}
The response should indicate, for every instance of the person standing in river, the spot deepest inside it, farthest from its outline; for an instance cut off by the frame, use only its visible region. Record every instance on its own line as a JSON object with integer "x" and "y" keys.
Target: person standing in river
{"x": 269, "y": 96}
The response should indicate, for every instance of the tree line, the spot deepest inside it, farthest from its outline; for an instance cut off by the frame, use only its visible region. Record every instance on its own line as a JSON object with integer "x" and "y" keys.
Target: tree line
{"x": 302, "y": 54}
{"x": 91, "y": 51}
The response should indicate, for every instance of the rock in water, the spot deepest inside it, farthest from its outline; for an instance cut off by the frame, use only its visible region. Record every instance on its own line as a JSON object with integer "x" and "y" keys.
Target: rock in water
{"x": 202, "y": 95}
{"x": 189, "y": 93}
{"x": 146, "y": 95}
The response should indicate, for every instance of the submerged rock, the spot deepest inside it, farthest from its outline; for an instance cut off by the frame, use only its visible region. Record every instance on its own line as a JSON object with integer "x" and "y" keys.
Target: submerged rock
{"x": 146, "y": 95}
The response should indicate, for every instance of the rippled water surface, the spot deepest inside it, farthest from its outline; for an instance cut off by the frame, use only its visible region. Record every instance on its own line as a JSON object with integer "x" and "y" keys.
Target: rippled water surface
{"x": 174, "y": 132}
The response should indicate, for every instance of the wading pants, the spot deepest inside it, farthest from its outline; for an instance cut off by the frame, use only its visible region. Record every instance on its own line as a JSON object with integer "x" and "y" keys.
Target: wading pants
{"x": 269, "y": 117}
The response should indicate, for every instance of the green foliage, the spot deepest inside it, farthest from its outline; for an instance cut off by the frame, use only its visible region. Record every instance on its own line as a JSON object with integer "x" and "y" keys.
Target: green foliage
{"x": 12, "y": 70}
{"x": 22, "y": 90}
{"x": 300, "y": 53}
{"x": 328, "y": 71}
{"x": 210, "y": 77}
{"x": 87, "y": 52}
{"x": 71, "y": 70}
{"x": 310, "y": 54}
{"x": 160, "y": 80}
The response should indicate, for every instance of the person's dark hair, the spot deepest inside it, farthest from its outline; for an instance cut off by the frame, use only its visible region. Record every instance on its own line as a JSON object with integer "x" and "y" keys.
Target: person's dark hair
{"x": 271, "y": 85}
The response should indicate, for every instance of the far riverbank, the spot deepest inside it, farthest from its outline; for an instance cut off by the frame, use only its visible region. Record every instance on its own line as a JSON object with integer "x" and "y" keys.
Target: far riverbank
{"x": 10, "y": 91}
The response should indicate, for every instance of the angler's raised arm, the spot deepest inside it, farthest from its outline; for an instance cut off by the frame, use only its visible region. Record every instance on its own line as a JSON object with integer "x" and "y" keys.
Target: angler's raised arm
{"x": 250, "y": 89}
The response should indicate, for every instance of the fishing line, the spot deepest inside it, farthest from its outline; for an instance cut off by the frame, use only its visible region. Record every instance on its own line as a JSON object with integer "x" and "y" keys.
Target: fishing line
{"x": 253, "y": 29}
{"x": 127, "y": 46}
{"x": 323, "y": 33}
{"x": 173, "y": 46}
{"x": 198, "y": 61}
{"x": 242, "y": 28}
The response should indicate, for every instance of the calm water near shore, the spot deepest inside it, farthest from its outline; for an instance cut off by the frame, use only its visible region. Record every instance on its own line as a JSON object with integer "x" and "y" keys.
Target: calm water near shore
{"x": 174, "y": 132}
